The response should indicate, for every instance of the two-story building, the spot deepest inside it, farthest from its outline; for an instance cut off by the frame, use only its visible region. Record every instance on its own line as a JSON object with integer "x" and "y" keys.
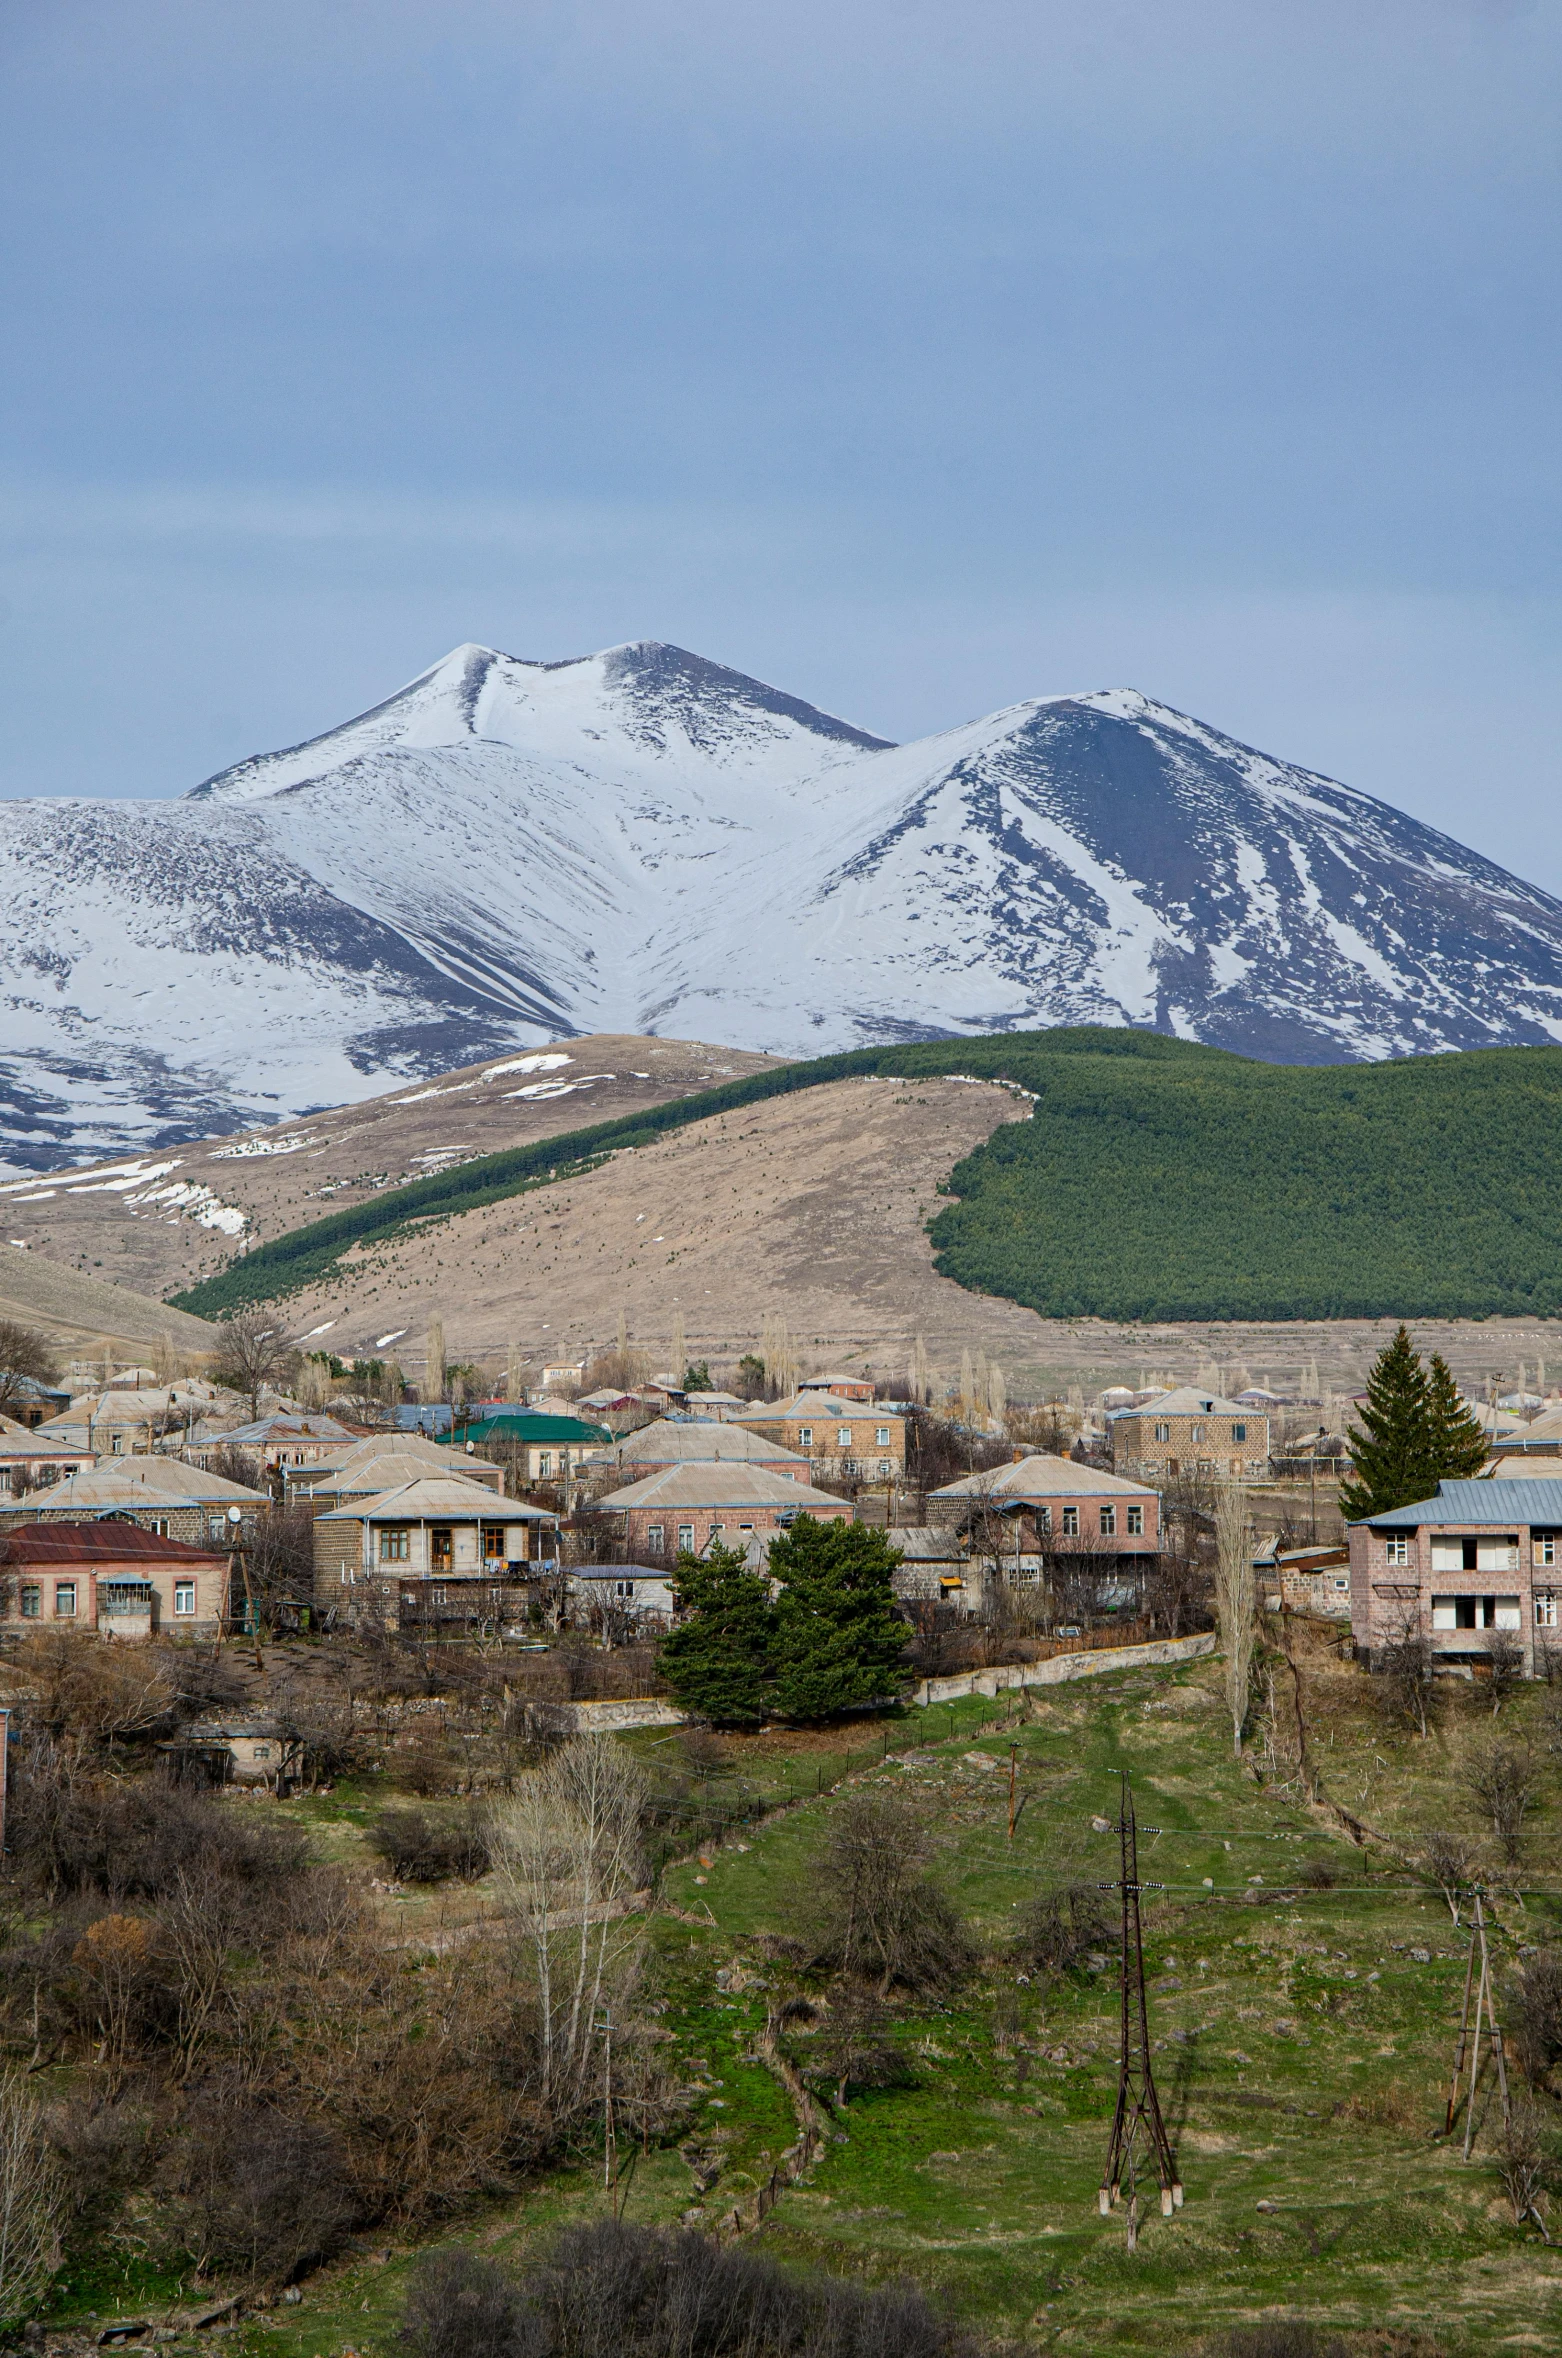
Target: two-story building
{"x": 285, "y": 1437}
{"x": 544, "y": 1448}
{"x": 842, "y": 1440}
{"x": 1480, "y": 1557}
{"x": 1190, "y": 1432}
{"x": 28, "y": 1462}
{"x": 385, "y": 1462}
{"x": 433, "y": 1549}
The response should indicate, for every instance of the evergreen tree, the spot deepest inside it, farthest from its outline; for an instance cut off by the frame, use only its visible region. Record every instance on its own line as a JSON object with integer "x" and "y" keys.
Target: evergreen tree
{"x": 839, "y": 1638}
{"x": 719, "y": 1659}
{"x": 1393, "y": 1452}
{"x": 1458, "y": 1442}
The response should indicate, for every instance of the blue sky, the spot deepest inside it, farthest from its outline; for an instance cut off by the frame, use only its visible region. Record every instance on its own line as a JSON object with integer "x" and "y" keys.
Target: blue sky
{"x": 917, "y": 358}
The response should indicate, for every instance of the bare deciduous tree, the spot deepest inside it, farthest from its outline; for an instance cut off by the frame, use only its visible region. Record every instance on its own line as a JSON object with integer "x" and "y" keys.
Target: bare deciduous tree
{"x": 1505, "y": 1664}
{"x": 880, "y": 1912}
{"x": 1449, "y": 1862}
{"x": 568, "y": 1850}
{"x": 254, "y": 1354}
{"x": 31, "y": 2204}
{"x": 1406, "y": 1668}
{"x": 1502, "y": 1780}
{"x": 1236, "y": 1602}
{"x": 25, "y": 1356}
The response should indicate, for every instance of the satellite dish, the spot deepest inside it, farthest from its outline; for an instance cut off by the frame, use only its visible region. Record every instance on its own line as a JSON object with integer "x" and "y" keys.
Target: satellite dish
{"x": 235, "y": 1514}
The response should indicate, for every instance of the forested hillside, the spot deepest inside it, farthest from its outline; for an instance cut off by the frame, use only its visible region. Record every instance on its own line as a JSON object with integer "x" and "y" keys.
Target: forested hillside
{"x": 1157, "y": 1180}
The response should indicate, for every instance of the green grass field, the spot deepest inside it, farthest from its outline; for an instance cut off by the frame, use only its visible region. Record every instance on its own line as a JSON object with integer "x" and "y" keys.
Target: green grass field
{"x": 1302, "y": 2042}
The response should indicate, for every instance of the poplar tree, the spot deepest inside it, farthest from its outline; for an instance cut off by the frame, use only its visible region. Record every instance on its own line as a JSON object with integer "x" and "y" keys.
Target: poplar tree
{"x": 719, "y": 1660}
{"x": 839, "y": 1638}
{"x": 1393, "y": 1450}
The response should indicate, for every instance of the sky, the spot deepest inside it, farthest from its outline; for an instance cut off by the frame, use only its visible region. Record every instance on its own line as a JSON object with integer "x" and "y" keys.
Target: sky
{"x": 916, "y": 358}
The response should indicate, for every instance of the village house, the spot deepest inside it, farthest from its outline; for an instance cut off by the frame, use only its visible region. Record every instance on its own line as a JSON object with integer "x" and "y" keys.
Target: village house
{"x": 434, "y": 1549}
{"x": 244, "y": 1752}
{"x": 384, "y": 1462}
{"x": 844, "y": 1387}
{"x": 546, "y": 1448}
{"x": 28, "y": 1462}
{"x": 843, "y": 1440}
{"x": 161, "y": 1494}
{"x": 1481, "y": 1559}
{"x": 1190, "y": 1432}
{"x": 34, "y": 1403}
{"x": 632, "y": 1599}
{"x": 937, "y": 1570}
{"x": 1072, "y": 1509}
{"x": 1305, "y": 1579}
{"x": 127, "y": 1419}
{"x": 699, "y": 1506}
{"x": 688, "y": 1440}
{"x": 109, "y": 1576}
{"x": 285, "y": 1437}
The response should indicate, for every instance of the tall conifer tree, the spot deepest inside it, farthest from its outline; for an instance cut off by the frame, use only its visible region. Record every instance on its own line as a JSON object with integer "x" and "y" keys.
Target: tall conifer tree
{"x": 1392, "y": 1454}
{"x": 1458, "y": 1443}
{"x": 720, "y": 1659}
{"x": 839, "y": 1639}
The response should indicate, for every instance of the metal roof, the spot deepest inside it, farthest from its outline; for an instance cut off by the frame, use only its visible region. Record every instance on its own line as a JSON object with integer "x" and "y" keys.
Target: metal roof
{"x": 704, "y": 1484}
{"x": 1045, "y": 1476}
{"x": 1526, "y": 1500}
{"x": 88, "y": 1543}
{"x": 440, "y": 1498}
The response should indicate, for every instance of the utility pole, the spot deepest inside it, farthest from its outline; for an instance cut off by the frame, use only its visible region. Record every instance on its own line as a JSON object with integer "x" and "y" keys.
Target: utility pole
{"x": 1137, "y": 2120}
{"x": 1470, "y": 2042}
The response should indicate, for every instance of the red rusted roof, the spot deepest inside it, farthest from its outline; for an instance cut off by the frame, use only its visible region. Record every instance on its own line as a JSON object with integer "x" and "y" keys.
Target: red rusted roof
{"x": 101, "y": 1542}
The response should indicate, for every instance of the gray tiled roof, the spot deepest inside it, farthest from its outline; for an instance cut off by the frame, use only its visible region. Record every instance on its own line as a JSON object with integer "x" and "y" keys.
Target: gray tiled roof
{"x": 1489, "y": 1502}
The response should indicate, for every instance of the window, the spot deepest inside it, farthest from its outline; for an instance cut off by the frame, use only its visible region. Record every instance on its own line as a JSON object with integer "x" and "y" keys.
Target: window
{"x": 1197, "y": 1433}
{"x": 1070, "y": 1521}
{"x": 1453, "y": 1612}
{"x": 1108, "y": 1521}
{"x": 441, "y": 1548}
{"x": 686, "y": 1535}
{"x": 396, "y": 1544}
{"x": 116, "y": 1445}
{"x": 654, "y": 1538}
{"x": 1239, "y": 1432}
{"x": 159, "y": 1524}
{"x": 1396, "y": 1549}
{"x": 184, "y": 1596}
{"x": 742, "y": 1527}
{"x": 544, "y": 1462}
{"x": 718, "y": 1532}
{"x": 1044, "y": 1518}
{"x": 805, "y": 1436}
{"x": 32, "y": 1601}
{"x": 493, "y": 1543}
{"x": 881, "y": 1438}
{"x": 1476, "y": 1613}
{"x": 1545, "y": 1547}
{"x": 886, "y": 1466}
{"x": 1136, "y": 1522}
{"x": 1163, "y": 1432}
{"x": 260, "y": 1752}
{"x": 1545, "y": 1612}
{"x": 844, "y": 1437}
{"x": 65, "y": 1600}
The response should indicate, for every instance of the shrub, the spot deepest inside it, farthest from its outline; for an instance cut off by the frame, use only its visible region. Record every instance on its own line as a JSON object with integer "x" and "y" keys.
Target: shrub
{"x": 462, "y": 2306}
{"x": 421, "y": 1848}
{"x": 1501, "y": 1777}
{"x": 30, "y": 2203}
{"x": 1058, "y": 1927}
{"x": 81, "y": 1687}
{"x": 878, "y": 1911}
{"x": 262, "y": 2189}
{"x": 1534, "y": 2015}
{"x": 1281, "y": 2337}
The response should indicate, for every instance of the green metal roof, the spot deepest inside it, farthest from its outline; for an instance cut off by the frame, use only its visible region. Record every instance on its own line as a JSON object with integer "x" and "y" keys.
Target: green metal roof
{"x": 524, "y": 1424}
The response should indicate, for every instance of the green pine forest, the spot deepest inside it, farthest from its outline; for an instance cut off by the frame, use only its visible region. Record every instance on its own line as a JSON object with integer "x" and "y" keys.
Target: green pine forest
{"x": 1158, "y": 1180}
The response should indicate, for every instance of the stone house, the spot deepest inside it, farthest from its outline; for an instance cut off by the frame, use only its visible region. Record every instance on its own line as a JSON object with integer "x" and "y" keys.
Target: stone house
{"x": 112, "y": 1577}
{"x": 843, "y": 1440}
{"x": 1480, "y": 1558}
{"x": 29, "y": 1461}
{"x": 1100, "y": 1513}
{"x": 1189, "y": 1432}
{"x": 844, "y": 1387}
{"x": 285, "y": 1437}
{"x": 432, "y": 1549}
{"x": 546, "y": 1448}
{"x": 386, "y": 1461}
{"x": 689, "y": 1440}
{"x": 704, "y": 1505}
{"x": 162, "y": 1494}
{"x": 636, "y": 1596}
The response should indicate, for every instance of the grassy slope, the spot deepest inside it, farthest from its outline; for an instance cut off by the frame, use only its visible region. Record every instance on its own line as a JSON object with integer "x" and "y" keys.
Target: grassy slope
{"x": 1287, "y": 2075}
{"x": 1157, "y": 1180}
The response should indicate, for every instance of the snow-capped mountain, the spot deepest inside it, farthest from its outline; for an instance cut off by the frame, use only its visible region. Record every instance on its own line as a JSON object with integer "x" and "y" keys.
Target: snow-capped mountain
{"x": 505, "y": 852}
